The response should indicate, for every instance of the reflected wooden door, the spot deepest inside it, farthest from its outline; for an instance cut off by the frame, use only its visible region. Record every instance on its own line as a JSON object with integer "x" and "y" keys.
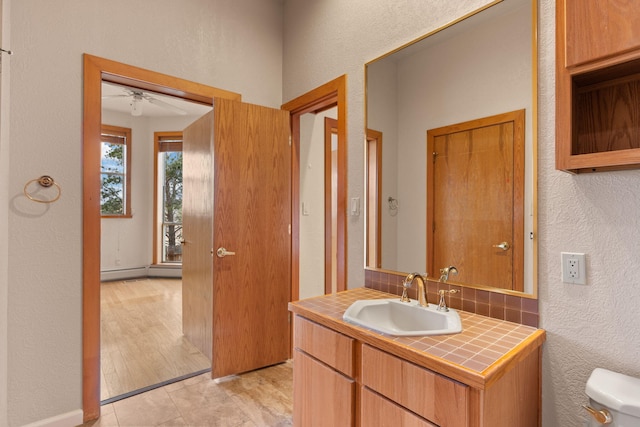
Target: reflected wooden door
{"x": 251, "y": 205}
{"x": 475, "y": 200}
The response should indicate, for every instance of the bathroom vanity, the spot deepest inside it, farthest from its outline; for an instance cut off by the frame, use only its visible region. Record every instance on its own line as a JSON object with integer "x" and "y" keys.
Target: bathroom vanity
{"x": 346, "y": 375}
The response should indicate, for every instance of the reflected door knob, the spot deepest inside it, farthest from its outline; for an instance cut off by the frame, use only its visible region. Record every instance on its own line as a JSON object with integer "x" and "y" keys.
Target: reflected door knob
{"x": 504, "y": 246}
{"x": 222, "y": 252}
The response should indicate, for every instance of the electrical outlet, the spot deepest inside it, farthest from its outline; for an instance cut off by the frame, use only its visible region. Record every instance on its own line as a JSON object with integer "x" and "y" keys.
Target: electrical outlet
{"x": 574, "y": 268}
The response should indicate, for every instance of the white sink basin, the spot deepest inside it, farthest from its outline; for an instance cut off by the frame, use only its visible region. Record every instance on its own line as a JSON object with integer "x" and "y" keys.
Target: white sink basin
{"x": 393, "y": 317}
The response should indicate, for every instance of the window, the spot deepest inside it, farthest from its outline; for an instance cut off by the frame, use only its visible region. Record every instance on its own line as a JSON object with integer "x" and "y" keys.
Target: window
{"x": 115, "y": 172}
{"x": 169, "y": 196}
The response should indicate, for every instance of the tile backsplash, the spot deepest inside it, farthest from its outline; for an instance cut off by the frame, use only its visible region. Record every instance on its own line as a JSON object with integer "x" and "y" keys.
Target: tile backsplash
{"x": 487, "y": 303}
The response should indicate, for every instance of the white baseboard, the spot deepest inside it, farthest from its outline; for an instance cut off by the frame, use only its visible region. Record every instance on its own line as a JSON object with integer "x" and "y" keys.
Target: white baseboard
{"x": 70, "y": 419}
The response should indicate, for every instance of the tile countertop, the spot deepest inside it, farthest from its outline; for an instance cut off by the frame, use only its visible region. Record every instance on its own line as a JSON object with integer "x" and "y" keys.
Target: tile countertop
{"x": 480, "y": 354}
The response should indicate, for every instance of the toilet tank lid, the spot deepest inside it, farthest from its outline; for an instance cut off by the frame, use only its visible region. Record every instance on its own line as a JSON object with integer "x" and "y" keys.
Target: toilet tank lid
{"x": 615, "y": 391}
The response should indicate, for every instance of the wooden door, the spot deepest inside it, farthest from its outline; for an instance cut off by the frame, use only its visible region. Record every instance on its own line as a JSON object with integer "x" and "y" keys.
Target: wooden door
{"x": 237, "y": 192}
{"x": 197, "y": 229}
{"x": 252, "y": 216}
{"x": 475, "y": 200}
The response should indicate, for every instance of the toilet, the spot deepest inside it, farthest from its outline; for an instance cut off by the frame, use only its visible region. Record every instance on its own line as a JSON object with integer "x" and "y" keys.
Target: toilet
{"x": 615, "y": 394}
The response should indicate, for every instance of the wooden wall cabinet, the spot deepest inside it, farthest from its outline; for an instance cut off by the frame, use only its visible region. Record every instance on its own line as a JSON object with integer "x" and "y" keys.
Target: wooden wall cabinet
{"x": 343, "y": 381}
{"x": 597, "y": 85}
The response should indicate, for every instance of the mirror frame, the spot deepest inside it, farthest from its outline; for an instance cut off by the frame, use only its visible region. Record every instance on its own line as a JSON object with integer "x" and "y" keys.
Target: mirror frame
{"x": 534, "y": 142}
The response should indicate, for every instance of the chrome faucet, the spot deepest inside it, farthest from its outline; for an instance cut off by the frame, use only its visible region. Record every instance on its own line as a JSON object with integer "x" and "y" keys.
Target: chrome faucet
{"x": 422, "y": 288}
{"x": 444, "y": 273}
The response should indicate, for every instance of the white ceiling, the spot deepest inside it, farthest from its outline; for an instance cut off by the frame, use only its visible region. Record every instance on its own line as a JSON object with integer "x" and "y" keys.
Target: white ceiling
{"x": 115, "y": 98}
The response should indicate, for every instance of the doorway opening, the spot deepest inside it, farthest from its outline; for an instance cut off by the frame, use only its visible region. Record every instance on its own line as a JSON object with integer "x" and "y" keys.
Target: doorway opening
{"x": 96, "y": 71}
{"x": 142, "y": 345}
{"x": 331, "y": 95}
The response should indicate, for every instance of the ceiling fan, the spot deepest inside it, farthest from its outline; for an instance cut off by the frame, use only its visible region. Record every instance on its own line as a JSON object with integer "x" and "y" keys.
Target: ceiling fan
{"x": 138, "y": 98}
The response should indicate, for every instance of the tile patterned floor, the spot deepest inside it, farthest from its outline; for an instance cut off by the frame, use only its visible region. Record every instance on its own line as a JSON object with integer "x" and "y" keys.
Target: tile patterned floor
{"x": 256, "y": 399}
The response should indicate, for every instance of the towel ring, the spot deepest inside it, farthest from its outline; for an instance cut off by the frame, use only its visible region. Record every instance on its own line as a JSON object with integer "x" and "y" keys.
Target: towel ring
{"x": 45, "y": 181}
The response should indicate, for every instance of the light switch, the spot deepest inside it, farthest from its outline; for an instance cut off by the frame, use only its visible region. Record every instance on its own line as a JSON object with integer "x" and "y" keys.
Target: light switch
{"x": 355, "y": 206}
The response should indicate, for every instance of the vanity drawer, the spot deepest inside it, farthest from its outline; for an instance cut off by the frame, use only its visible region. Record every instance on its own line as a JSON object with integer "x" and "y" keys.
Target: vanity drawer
{"x": 439, "y": 399}
{"x": 378, "y": 411}
{"x": 326, "y": 345}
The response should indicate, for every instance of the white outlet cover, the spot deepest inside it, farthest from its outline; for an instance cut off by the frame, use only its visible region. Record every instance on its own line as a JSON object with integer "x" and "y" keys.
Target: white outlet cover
{"x": 574, "y": 268}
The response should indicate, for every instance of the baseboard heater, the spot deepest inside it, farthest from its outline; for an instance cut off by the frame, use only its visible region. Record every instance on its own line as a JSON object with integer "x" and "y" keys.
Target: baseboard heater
{"x": 138, "y": 272}
{"x": 124, "y": 274}
{"x": 165, "y": 271}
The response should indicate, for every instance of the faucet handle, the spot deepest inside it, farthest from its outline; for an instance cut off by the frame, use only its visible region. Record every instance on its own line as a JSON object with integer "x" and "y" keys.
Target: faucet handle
{"x": 442, "y": 304}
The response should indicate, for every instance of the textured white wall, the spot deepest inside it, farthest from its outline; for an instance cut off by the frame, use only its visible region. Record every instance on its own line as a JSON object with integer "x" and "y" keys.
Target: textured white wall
{"x": 587, "y": 326}
{"x": 232, "y": 44}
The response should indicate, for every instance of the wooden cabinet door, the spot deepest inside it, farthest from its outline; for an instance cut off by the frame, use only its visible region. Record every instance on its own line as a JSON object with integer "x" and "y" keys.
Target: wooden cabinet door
{"x": 596, "y": 29}
{"x": 322, "y": 396}
{"x": 376, "y": 411}
{"x": 425, "y": 393}
{"x": 597, "y": 65}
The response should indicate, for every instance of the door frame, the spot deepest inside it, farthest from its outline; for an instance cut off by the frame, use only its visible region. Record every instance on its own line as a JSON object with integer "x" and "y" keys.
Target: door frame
{"x": 330, "y": 129}
{"x": 373, "y": 200}
{"x": 97, "y": 70}
{"x": 328, "y": 95}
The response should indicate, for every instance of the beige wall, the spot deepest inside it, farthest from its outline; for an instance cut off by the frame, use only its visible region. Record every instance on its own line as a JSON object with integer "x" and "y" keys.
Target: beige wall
{"x": 588, "y": 326}
{"x": 232, "y": 44}
{"x": 4, "y": 206}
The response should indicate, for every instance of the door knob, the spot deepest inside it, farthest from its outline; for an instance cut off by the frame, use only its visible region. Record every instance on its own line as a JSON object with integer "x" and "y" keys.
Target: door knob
{"x": 504, "y": 246}
{"x": 222, "y": 252}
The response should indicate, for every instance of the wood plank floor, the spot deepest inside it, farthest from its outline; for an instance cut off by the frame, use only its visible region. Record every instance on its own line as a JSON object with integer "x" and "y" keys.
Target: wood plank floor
{"x": 142, "y": 342}
{"x": 262, "y": 398}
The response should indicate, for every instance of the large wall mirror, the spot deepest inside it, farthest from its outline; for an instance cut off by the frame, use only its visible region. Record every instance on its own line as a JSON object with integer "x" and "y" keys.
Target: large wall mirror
{"x": 451, "y": 166}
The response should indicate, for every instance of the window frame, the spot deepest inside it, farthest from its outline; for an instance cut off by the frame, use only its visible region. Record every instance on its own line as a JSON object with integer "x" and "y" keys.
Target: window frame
{"x": 124, "y": 133}
{"x": 158, "y": 216}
